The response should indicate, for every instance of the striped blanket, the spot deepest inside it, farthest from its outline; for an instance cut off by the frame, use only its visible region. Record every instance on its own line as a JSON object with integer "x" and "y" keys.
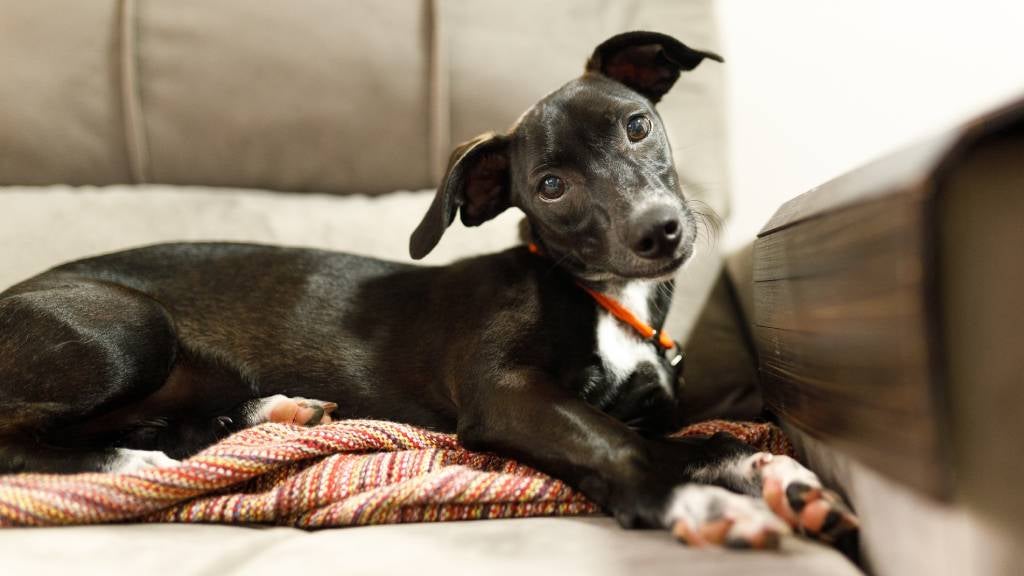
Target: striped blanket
{"x": 346, "y": 473}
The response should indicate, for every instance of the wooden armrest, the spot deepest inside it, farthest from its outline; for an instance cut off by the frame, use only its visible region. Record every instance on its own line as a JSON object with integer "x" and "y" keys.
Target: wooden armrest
{"x": 889, "y": 305}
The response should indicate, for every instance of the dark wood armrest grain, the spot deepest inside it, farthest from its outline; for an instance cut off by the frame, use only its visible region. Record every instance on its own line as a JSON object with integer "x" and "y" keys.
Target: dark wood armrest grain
{"x": 853, "y": 299}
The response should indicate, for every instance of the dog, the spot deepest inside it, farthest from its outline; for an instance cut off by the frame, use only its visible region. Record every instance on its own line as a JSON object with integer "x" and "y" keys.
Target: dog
{"x": 551, "y": 354}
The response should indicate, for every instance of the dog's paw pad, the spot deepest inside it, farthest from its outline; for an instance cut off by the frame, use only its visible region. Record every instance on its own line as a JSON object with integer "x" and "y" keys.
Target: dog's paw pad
{"x": 795, "y": 494}
{"x": 827, "y": 518}
{"x": 703, "y": 516}
{"x": 296, "y": 410}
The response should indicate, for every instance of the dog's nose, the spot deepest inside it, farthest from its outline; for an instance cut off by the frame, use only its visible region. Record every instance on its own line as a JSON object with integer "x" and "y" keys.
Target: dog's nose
{"x": 655, "y": 233}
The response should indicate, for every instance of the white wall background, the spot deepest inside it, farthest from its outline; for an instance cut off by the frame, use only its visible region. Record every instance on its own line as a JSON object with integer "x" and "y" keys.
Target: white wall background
{"x": 817, "y": 87}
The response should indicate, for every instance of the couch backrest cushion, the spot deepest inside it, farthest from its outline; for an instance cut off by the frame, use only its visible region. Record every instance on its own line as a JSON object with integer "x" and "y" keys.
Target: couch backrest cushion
{"x": 60, "y": 118}
{"x": 308, "y": 95}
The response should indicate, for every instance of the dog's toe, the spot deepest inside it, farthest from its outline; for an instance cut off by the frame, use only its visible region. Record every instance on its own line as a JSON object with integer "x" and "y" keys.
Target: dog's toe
{"x": 705, "y": 516}
{"x": 795, "y": 494}
{"x": 828, "y": 518}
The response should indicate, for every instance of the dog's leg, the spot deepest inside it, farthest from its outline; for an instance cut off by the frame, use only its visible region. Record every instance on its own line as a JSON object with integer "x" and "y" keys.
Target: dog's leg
{"x": 792, "y": 491}
{"x": 69, "y": 350}
{"x": 640, "y": 481}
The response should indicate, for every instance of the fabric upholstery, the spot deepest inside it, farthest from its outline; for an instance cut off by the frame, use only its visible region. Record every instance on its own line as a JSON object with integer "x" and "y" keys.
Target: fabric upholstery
{"x": 324, "y": 95}
{"x": 565, "y": 546}
{"x": 235, "y": 92}
{"x": 60, "y": 101}
{"x": 721, "y": 379}
{"x": 45, "y": 227}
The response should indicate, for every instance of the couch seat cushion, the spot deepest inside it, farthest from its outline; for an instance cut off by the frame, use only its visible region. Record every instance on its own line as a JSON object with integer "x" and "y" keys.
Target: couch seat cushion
{"x": 590, "y": 545}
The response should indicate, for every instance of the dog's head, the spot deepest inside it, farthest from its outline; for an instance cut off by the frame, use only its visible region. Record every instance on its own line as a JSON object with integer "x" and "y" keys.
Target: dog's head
{"x": 590, "y": 165}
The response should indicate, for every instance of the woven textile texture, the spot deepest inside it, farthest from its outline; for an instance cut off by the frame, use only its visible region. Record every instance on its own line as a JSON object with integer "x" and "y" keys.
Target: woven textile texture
{"x": 346, "y": 473}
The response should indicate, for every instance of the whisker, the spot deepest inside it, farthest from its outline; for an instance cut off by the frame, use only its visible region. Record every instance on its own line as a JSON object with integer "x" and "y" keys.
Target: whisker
{"x": 707, "y": 220}
{"x": 662, "y": 290}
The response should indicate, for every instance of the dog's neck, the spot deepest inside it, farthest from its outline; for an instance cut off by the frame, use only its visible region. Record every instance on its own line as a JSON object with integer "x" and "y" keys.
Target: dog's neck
{"x": 647, "y": 299}
{"x": 636, "y": 295}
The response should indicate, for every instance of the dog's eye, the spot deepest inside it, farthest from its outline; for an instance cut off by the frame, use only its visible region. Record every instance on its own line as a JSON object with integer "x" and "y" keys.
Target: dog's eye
{"x": 638, "y": 127}
{"x": 551, "y": 188}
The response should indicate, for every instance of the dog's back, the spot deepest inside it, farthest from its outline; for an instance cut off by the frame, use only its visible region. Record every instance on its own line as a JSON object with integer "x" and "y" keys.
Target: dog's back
{"x": 223, "y": 324}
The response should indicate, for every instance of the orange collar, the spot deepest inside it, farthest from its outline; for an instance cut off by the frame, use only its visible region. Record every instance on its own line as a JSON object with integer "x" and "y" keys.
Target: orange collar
{"x": 615, "y": 308}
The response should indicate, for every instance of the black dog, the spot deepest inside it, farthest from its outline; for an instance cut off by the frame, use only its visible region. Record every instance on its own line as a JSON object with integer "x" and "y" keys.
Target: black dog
{"x": 129, "y": 359}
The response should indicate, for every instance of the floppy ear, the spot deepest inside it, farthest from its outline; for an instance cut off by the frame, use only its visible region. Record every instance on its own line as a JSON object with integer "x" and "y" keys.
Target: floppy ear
{"x": 647, "y": 62}
{"x": 476, "y": 184}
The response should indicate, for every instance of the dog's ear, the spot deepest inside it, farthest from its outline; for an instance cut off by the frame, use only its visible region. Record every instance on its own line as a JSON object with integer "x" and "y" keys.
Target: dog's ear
{"x": 647, "y": 62}
{"x": 476, "y": 184}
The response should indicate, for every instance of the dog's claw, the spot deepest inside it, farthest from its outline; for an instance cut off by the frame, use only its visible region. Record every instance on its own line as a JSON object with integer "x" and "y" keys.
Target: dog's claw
{"x": 799, "y": 494}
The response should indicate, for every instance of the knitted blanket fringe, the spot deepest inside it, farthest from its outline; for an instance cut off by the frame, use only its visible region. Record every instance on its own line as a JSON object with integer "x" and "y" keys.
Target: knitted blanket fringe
{"x": 346, "y": 473}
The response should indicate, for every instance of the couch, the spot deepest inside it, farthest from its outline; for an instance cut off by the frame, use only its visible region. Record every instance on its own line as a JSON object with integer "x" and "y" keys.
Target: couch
{"x": 326, "y": 124}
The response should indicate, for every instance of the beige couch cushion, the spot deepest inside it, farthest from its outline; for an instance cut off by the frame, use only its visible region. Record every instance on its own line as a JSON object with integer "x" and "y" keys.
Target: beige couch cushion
{"x": 60, "y": 104}
{"x": 303, "y": 95}
{"x": 299, "y": 95}
{"x": 40, "y": 228}
{"x": 590, "y": 546}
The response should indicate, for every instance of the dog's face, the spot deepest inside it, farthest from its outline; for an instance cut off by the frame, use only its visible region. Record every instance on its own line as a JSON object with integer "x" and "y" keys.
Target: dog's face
{"x": 592, "y": 169}
{"x": 590, "y": 165}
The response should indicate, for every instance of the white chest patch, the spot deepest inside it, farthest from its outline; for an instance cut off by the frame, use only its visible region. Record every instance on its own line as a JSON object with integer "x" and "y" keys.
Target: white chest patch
{"x": 620, "y": 347}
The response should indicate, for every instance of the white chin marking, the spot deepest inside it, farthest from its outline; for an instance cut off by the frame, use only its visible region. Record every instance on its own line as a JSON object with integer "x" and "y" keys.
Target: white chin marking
{"x": 128, "y": 460}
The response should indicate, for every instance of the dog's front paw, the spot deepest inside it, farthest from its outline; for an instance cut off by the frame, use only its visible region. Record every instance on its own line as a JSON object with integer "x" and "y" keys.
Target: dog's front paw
{"x": 702, "y": 515}
{"x": 295, "y": 410}
{"x": 795, "y": 494}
